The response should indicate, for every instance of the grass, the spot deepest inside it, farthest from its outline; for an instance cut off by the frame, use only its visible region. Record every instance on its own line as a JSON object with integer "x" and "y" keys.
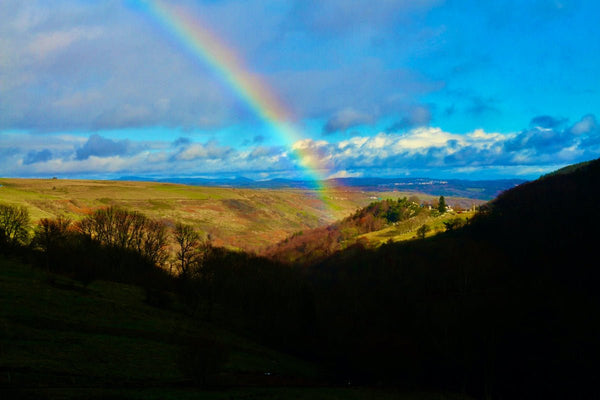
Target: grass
{"x": 62, "y": 340}
{"x": 248, "y": 219}
{"x": 407, "y": 230}
{"x": 257, "y": 393}
{"x": 56, "y": 331}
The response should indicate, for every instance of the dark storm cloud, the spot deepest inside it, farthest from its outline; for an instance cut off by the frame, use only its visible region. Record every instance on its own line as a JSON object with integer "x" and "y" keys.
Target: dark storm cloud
{"x": 548, "y": 140}
{"x": 345, "y": 119}
{"x": 538, "y": 140}
{"x": 182, "y": 141}
{"x": 546, "y": 121}
{"x": 256, "y": 140}
{"x": 415, "y": 117}
{"x": 102, "y": 147}
{"x": 33, "y": 157}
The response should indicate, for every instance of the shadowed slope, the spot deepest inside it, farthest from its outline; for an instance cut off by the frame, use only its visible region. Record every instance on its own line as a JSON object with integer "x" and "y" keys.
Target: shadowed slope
{"x": 507, "y": 306}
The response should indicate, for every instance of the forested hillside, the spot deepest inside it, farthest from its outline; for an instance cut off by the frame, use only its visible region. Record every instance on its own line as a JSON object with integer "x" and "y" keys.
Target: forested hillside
{"x": 379, "y": 222}
{"x": 316, "y": 243}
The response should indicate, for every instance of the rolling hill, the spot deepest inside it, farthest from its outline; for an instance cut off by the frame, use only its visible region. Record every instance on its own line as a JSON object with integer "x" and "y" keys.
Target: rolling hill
{"x": 473, "y": 189}
{"x": 246, "y": 219}
{"x": 380, "y": 222}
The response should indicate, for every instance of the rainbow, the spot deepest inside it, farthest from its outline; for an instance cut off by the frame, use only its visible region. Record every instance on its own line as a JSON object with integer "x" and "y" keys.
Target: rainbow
{"x": 208, "y": 48}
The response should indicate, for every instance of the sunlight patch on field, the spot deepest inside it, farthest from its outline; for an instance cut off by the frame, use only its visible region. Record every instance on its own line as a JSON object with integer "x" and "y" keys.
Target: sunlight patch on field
{"x": 407, "y": 230}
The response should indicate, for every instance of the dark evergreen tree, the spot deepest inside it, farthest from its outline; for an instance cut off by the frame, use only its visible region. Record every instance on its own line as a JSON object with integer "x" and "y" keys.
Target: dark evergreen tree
{"x": 442, "y": 205}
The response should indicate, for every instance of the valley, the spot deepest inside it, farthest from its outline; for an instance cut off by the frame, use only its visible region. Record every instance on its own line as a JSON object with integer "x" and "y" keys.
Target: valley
{"x": 248, "y": 219}
{"x": 307, "y": 200}
{"x": 369, "y": 306}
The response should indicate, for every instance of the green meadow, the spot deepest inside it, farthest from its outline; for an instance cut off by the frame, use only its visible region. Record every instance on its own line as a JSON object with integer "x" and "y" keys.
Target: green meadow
{"x": 407, "y": 230}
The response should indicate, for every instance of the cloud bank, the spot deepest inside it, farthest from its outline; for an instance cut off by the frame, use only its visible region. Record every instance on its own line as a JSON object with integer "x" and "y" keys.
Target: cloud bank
{"x": 423, "y": 150}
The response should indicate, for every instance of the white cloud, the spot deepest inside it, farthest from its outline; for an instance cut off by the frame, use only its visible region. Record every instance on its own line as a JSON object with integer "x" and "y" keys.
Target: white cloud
{"x": 585, "y": 125}
{"x": 420, "y": 150}
{"x": 345, "y": 174}
{"x": 209, "y": 151}
{"x": 423, "y": 138}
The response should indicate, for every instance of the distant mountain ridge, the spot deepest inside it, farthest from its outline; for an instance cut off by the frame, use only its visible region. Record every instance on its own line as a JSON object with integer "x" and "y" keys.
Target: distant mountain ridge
{"x": 475, "y": 189}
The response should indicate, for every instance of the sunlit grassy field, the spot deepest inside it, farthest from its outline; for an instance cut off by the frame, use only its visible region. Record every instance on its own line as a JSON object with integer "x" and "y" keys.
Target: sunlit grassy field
{"x": 248, "y": 219}
{"x": 407, "y": 230}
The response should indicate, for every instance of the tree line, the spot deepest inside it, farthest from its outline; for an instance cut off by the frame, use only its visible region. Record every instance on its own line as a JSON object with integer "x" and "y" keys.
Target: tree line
{"x": 120, "y": 239}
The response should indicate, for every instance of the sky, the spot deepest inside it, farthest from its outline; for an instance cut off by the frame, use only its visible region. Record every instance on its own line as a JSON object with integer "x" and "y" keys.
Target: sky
{"x": 386, "y": 88}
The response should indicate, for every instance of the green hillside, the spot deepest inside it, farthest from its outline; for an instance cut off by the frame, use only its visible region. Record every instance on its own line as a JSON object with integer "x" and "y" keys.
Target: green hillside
{"x": 408, "y": 230}
{"x": 385, "y": 221}
{"x": 247, "y": 219}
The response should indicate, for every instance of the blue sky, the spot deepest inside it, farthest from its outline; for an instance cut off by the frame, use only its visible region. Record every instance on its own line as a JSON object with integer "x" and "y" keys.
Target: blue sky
{"x": 377, "y": 87}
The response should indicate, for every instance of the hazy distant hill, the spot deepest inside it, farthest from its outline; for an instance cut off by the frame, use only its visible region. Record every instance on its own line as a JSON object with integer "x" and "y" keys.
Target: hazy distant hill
{"x": 481, "y": 189}
{"x": 474, "y": 189}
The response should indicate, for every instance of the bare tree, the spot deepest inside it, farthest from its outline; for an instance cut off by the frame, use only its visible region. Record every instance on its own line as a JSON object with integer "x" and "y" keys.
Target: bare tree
{"x": 192, "y": 250}
{"x": 125, "y": 229}
{"x": 154, "y": 242}
{"x": 51, "y": 232}
{"x": 188, "y": 241}
{"x": 14, "y": 223}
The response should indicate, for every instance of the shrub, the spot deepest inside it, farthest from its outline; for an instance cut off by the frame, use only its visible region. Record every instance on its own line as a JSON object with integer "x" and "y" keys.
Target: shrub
{"x": 422, "y": 231}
